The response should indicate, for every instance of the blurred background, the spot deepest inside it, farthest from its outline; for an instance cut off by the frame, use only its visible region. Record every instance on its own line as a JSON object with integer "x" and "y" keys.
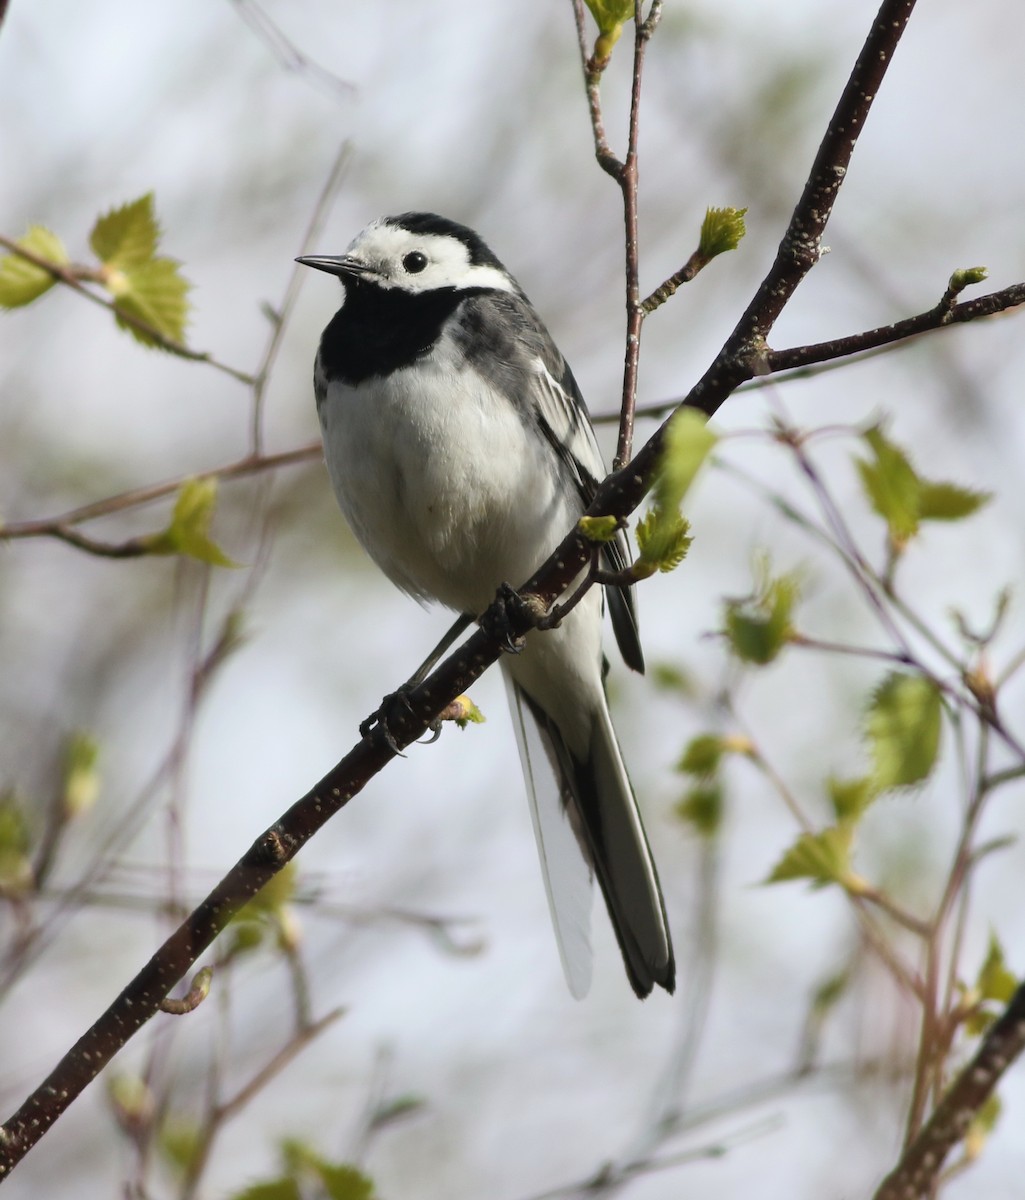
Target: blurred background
{"x": 233, "y": 115}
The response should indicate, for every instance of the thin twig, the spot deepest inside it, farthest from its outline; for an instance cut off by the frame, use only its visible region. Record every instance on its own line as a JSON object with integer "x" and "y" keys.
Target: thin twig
{"x": 60, "y": 526}
{"x": 70, "y": 278}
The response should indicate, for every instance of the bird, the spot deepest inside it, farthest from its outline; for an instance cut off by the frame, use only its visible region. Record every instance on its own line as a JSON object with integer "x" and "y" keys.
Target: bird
{"x": 461, "y": 453}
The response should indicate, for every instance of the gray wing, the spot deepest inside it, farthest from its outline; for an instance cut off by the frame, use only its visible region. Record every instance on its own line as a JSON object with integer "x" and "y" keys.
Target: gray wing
{"x": 506, "y": 341}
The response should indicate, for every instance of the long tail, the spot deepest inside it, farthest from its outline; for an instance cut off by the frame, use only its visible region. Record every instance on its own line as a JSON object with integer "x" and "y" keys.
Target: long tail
{"x": 589, "y": 804}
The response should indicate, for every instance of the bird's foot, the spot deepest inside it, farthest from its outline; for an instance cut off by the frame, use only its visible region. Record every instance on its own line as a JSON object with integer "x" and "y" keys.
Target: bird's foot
{"x": 380, "y": 724}
{"x": 509, "y": 614}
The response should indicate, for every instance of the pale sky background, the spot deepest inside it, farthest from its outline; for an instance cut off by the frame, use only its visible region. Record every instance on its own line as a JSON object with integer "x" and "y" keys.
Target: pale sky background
{"x": 476, "y": 111}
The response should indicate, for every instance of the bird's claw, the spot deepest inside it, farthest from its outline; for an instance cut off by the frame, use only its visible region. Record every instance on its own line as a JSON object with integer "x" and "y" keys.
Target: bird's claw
{"x": 378, "y": 725}
{"x": 507, "y": 615}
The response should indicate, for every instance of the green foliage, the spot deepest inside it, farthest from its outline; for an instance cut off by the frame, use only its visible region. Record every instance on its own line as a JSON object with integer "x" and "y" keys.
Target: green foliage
{"x": 689, "y": 440}
{"x": 663, "y": 540}
{"x": 850, "y": 797}
{"x": 903, "y": 726}
{"x": 966, "y": 277}
{"x": 272, "y": 898}
{"x": 81, "y": 778}
{"x": 981, "y": 1126}
{"x": 282, "y": 1188}
{"x": 610, "y": 16}
{"x": 306, "y": 1173}
{"x": 15, "y": 865}
{"x": 996, "y": 981}
{"x": 468, "y": 713}
{"x": 829, "y": 993}
{"x": 663, "y": 535}
{"x": 179, "y": 1139}
{"x": 598, "y": 529}
{"x": 948, "y": 502}
{"x": 823, "y": 858}
{"x": 702, "y": 755}
{"x": 144, "y": 285}
{"x": 758, "y": 626}
{"x": 21, "y": 281}
{"x": 132, "y": 1100}
{"x": 126, "y": 236}
{"x": 189, "y": 531}
{"x": 902, "y": 497}
{"x": 702, "y": 807}
{"x": 269, "y": 912}
{"x": 721, "y": 230}
{"x": 670, "y": 677}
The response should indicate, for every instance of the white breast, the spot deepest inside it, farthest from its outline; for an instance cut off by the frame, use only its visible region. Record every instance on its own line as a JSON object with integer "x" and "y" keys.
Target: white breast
{"x": 442, "y": 482}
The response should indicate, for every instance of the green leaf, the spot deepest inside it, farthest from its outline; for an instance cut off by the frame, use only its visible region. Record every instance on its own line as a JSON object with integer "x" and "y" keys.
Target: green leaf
{"x": 823, "y": 858}
{"x": 891, "y": 485}
{"x": 903, "y": 498}
{"x": 599, "y": 529}
{"x": 757, "y": 627}
{"x": 339, "y": 1180}
{"x": 15, "y": 865}
{"x": 721, "y": 230}
{"x": 702, "y": 755}
{"x": 948, "y": 502}
{"x": 850, "y": 797}
{"x": 132, "y": 1100}
{"x": 275, "y": 894}
{"x": 21, "y": 282}
{"x": 611, "y": 15}
{"x": 342, "y": 1182}
{"x": 188, "y": 532}
{"x": 688, "y": 442}
{"x": 81, "y": 779}
{"x": 127, "y": 236}
{"x": 663, "y": 539}
{"x": 829, "y": 993}
{"x": 468, "y": 712}
{"x": 154, "y": 292}
{"x": 663, "y": 535}
{"x": 179, "y": 1140}
{"x": 271, "y": 1189}
{"x": 995, "y": 981}
{"x": 903, "y": 726}
{"x": 148, "y": 288}
{"x": 672, "y": 678}
{"x": 982, "y": 1125}
{"x": 702, "y": 806}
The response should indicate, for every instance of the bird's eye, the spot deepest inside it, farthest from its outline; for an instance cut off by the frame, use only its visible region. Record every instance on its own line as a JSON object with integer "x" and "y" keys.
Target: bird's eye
{"x": 414, "y": 262}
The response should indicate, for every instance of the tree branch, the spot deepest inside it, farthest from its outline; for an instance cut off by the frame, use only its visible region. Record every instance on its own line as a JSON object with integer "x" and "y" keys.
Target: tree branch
{"x": 916, "y": 1174}
{"x": 884, "y": 335}
{"x": 70, "y": 277}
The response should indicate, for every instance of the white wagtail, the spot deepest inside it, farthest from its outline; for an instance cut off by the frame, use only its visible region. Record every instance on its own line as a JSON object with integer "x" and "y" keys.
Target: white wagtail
{"x": 461, "y": 453}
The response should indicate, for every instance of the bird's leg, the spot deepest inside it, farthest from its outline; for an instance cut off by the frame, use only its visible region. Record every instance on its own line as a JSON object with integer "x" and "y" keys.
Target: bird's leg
{"x": 396, "y": 703}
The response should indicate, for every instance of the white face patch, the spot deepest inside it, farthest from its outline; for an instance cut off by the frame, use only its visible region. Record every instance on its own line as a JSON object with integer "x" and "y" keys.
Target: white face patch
{"x": 421, "y": 262}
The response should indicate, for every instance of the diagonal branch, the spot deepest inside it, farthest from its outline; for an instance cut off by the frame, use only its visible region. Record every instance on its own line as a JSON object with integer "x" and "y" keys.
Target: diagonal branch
{"x": 917, "y": 1172}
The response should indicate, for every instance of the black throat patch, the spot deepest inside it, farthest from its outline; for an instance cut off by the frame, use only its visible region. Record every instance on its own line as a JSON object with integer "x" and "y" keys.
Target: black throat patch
{"x": 377, "y": 330}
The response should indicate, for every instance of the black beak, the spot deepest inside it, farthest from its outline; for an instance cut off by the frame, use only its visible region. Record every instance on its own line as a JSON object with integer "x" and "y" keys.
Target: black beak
{"x": 342, "y": 264}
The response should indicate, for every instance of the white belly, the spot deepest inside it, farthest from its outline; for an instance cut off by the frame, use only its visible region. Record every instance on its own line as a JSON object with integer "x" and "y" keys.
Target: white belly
{"x": 431, "y": 478}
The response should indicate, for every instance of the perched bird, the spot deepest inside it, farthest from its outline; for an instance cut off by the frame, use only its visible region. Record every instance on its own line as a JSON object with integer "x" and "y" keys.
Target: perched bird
{"x": 461, "y": 453}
